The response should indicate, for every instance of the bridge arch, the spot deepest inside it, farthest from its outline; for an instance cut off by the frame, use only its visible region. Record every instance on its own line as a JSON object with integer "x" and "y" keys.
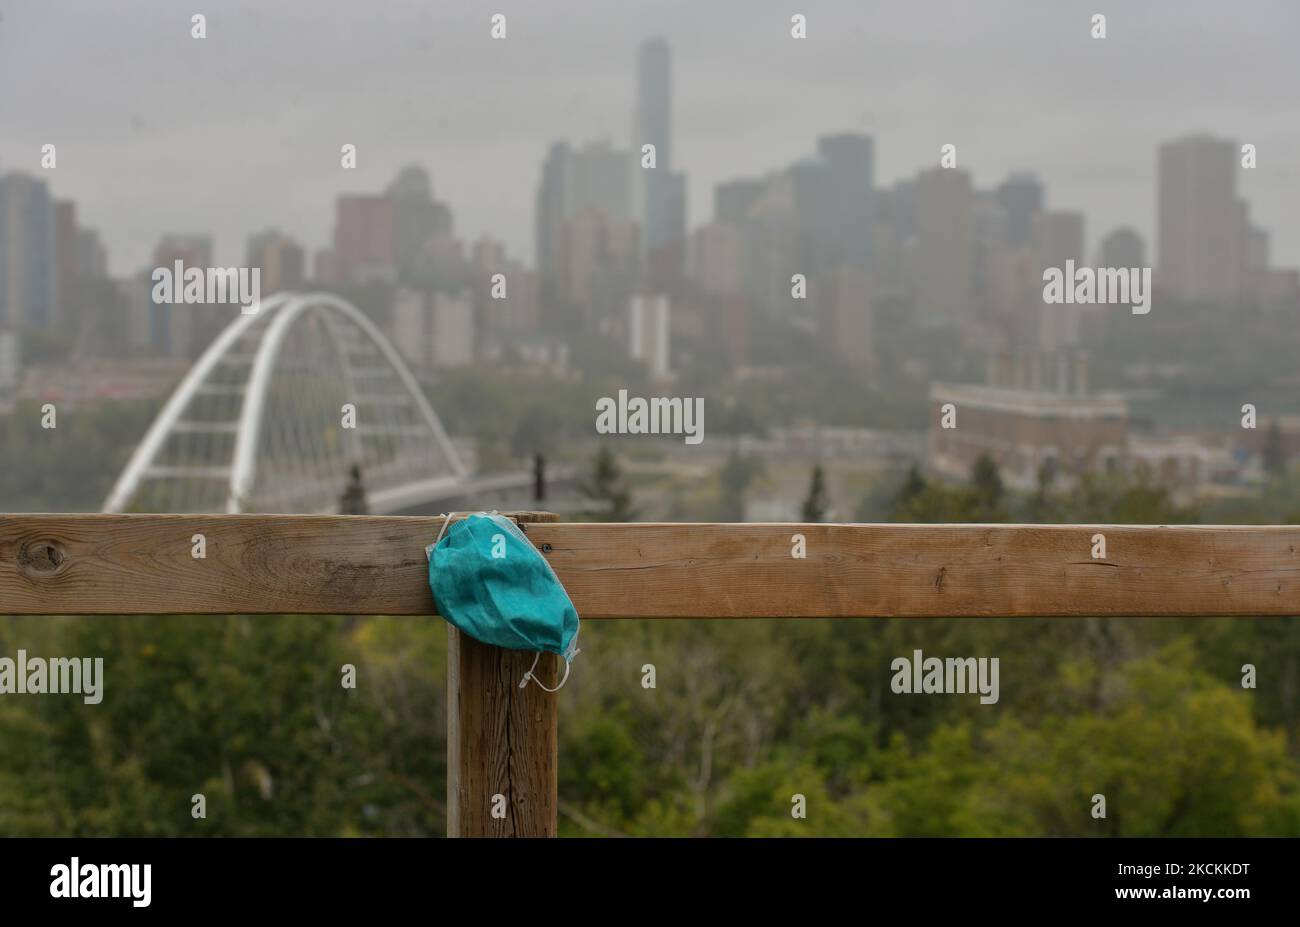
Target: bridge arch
{"x": 256, "y": 424}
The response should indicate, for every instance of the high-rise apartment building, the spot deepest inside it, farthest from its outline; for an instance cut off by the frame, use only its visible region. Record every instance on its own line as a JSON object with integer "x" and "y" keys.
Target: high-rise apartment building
{"x": 733, "y": 199}
{"x": 1057, "y": 236}
{"x": 280, "y": 259}
{"x": 596, "y": 262}
{"x": 660, "y": 191}
{"x": 595, "y": 177}
{"x": 1021, "y": 195}
{"x": 942, "y": 256}
{"x": 1121, "y": 247}
{"x": 10, "y": 363}
{"x": 29, "y": 262}
{"x": 517, "y": 308}
{"x": 417, "y": 217}
{"x": 654, "y": 100}
{"x": 848, "y": 171}
{"x": 434, "y": 328}
{"x": 176, "y": 329}
{"x": 847, "y": 318}
{"x": 552, "y": 206}
{"x": 648, "y": 333}
{"x": 718, "y": 257}
{"x": 599, "y": 178}
{"x": 365, "y": 237}
{"x": 1201, "y": 244}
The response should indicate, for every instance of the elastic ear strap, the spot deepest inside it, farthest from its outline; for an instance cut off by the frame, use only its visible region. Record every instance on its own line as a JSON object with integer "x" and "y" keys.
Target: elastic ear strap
{"x": 446, "y": 520}
{"x": 523, "y": 683}
{"x": 568, "y": 665}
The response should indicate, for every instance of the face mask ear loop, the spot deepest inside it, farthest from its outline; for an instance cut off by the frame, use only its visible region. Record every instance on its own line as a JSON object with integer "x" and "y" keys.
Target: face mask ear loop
{"x": 446, "y": 520}
{"x": 568, "y": 665}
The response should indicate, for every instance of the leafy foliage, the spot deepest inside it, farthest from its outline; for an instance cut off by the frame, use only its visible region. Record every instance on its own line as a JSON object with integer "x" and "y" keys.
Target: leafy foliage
{"x": 817, "y": 504}
{"x": 250, "y": 712}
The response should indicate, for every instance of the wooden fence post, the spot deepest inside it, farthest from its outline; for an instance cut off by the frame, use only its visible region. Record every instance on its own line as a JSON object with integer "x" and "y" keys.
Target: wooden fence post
{"x": 502, "y": 741}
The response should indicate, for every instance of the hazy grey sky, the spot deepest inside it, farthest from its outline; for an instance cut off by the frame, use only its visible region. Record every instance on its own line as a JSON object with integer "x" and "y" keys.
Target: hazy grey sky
{"x": 159, "y": 132}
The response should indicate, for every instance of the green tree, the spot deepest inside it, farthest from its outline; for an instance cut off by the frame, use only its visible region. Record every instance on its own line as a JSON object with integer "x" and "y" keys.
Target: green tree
{"x": 607, "y": 489}
{"x": 353, "y": 501}
{"x": 247, "y": 711}
{"x": 1175, "y": 752}
{"x": 70, "y": 468}
{"x": 1274, "y": 452}
{"x": 982, "y": 501}
{"x": 1122, "y": 500}
{"x": 987, "y": 482}
{"x": 816, "y": 504}
{"x": 1042, "y": 505}
{"x": 739, "y": 471}
{"x": 913, "y": 486}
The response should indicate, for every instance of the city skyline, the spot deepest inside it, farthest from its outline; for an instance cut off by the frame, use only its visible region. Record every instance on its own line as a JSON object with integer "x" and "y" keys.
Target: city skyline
{"x": 847, "y": 312}
{"x": 484, "y": 149}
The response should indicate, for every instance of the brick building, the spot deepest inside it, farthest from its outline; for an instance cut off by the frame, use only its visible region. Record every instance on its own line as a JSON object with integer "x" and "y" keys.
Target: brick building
{"x": 1024, "y": 428}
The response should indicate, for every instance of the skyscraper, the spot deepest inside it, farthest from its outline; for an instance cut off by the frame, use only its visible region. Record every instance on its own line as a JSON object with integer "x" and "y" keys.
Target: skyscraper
{"x": 29, "y": 266}
{"x": 988, "y": 250}
{"x": 1021, "y": 195}
{"x": 718, "y": 256}
{"x": 733, "y": 199}
{"x": 648, "y": 333}
{"x": 599, "y": 179}
{"x": 65, "y": 237}
{"x": 667, "y": 258}
{"x": 10, "y": 363}
{"x": 660, "y": 191}
{"x": 92, "y": 259}
{"x": 175, "y": 329}
{"x": 518, "y": 310}
{"x": 943, "y": 271}
{"x": 280, "y": 259}
{"x": 417, "y": 216}
{"x": 434, "y": 329}
{"x": 596, "y": 176}
{"x": 849, "y": 168}
{"x": 596, "y": 262}
{"x": 1122, "y": 247}
{"x": 1201, "y": 245}
{"x": 847, "y": 318}
{"x": 654, "y": 100}
{"x": 191, "y": 250}
{"x": 552, "y": 206}
{"x": 1057, "y": 237}
{"x": 365, "y": 237}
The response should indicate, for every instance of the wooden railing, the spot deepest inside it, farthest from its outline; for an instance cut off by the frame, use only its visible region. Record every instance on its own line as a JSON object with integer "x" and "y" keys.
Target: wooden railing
{"x": 502, "y": 740}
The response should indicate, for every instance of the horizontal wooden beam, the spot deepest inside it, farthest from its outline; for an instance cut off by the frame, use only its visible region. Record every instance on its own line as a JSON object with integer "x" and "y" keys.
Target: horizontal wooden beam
{"x": 922, "y": 571}
{"x": 251, "y": 564}
{"x": 306, "y": 564}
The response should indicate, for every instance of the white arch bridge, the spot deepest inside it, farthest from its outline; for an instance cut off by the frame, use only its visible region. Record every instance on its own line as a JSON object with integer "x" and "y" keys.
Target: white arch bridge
{"x": 258, "y": 423}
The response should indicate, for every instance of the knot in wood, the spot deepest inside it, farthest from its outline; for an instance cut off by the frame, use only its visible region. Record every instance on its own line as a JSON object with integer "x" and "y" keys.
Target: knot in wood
{"x": 41, "y": 558}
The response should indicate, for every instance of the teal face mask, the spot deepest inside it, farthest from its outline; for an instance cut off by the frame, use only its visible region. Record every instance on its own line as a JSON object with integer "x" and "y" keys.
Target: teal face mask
{"x": 491, "y": 582}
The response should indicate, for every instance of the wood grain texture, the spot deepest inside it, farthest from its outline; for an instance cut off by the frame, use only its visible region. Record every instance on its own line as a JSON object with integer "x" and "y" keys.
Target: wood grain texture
{"x": 256, "y": 564}
{"x": 912, "y": 571}
{"x": 501, "y": 739}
